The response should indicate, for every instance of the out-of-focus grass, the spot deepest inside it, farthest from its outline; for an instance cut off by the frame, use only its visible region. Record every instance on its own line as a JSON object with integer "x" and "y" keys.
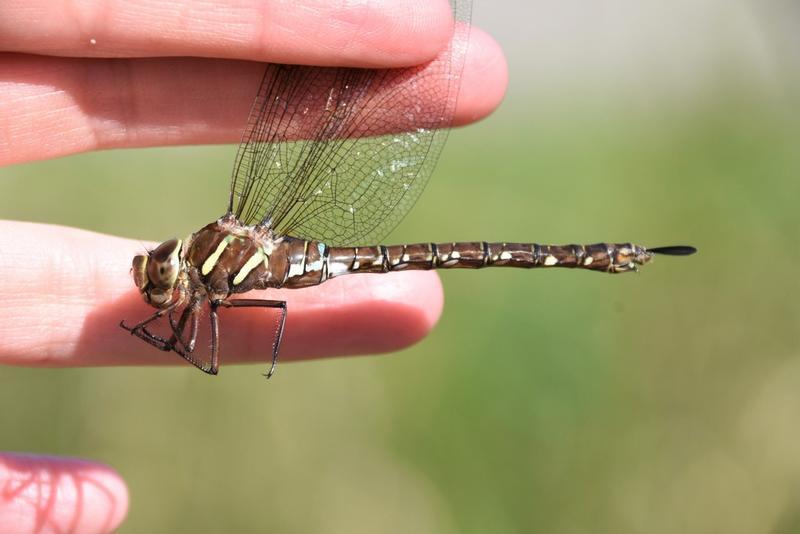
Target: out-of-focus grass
{"x": 558, "y": 402}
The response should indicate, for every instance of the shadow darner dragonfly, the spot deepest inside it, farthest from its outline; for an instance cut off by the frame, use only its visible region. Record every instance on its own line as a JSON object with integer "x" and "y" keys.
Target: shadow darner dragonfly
{"x": 331, "y": 157}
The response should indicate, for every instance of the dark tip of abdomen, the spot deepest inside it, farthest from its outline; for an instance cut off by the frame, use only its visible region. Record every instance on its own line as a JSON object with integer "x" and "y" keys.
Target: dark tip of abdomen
{"x": 677, "y": 250}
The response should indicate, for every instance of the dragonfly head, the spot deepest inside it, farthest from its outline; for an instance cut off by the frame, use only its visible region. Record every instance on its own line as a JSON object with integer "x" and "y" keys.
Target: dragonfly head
{"x": 156, "y": 274}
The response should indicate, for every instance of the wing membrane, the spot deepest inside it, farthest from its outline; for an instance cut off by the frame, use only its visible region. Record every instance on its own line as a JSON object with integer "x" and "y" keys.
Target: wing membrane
{"x": 342, "y": 154}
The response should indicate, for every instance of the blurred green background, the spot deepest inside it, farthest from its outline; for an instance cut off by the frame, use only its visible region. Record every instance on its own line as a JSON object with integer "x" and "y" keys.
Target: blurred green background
{"x": 560, "y": 402}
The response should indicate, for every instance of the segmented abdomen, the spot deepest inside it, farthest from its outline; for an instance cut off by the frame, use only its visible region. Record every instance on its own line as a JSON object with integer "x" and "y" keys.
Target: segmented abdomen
{"x": 605, "y": 257}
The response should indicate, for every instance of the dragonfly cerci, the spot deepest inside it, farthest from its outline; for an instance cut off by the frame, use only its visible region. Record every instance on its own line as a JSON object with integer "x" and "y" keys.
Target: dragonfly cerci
{"x": 330, "y": 161}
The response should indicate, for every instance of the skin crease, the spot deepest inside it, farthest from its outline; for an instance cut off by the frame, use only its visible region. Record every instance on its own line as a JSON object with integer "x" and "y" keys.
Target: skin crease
{"x": 63, "y": 94}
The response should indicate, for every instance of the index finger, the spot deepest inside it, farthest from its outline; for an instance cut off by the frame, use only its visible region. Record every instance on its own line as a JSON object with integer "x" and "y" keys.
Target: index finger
{"x": 56, "y": 106}
{"x": 378, "y": 33}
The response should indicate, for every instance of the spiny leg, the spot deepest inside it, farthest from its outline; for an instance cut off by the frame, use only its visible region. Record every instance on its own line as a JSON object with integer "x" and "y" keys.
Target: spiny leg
{"x": 178, "y": 328}
{"x": 150, "y": 319}
{"x": 192, "y": 333}
{"x": 212, "y": 315}
{"x": 185, "y": 351}
{"x": 170, "y": 344}
{"x": 139, "y": 330}
{"x": 258, "y": 303}
{"x": 157, "y": 341}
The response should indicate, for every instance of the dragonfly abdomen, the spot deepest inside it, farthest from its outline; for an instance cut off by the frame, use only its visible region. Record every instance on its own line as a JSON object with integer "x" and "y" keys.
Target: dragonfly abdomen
{"x": 604, "y": 257}
{"x": 233, "y": 263}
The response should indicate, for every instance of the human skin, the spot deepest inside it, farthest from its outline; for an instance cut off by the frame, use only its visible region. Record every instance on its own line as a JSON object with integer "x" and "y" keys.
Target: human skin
{"x": 85, "y": 76}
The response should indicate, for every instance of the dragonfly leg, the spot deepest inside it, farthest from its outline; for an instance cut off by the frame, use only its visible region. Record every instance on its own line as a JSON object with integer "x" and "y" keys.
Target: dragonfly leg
{"x": 156, "y": 315}
{"x": 157, "y": 341}
{"x": 178, "y": 328}
{"x": 145, "y": 335}
{"x": 258, "y": 303}
{"x": 140, "y": 329}
{"x": 185, "y": 349}
{"x": 214, "y": 369}
{"x": 210, "y": 369}
{"x": 192, "y": 334}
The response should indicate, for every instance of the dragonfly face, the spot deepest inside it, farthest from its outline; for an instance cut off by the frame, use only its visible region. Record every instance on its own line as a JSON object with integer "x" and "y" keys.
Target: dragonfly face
{"x": 156, "y": 274}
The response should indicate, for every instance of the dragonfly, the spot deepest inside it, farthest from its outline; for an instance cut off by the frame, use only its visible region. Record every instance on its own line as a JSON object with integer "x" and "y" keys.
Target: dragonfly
{"x": 331, "y": 158}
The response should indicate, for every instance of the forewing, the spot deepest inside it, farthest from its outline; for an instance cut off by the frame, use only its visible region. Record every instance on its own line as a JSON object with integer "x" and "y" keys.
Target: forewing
{"x": 341, "y": 154}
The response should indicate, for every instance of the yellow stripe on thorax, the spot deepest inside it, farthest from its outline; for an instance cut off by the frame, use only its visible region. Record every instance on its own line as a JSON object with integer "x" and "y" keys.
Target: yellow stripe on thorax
{"x": 212, "y": 260}
{"x": 251, "y": 264}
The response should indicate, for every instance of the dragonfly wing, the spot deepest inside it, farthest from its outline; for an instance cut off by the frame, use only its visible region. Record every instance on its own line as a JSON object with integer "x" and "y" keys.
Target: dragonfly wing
{"x": 342, "y": 154}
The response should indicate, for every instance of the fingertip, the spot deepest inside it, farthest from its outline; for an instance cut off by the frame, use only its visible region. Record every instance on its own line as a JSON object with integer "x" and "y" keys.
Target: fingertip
{"x": 428, "y": 24}
{"x": 432, "y": 303}
{"x": 422, "y": 290}
{"x": 484, "y": 79}
{"x": 374, "y": 34}
{"x": 67, "y": 494}
{"x": 112, "y": 498}
{"x": 417, "y": 296}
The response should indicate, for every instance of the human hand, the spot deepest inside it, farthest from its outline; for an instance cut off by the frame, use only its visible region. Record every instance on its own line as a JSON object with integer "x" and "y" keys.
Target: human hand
{"x": 83, "y": 80}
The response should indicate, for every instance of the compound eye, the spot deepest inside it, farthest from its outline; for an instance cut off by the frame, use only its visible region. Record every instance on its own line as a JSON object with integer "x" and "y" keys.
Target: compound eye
{"x": 139, "y": 270}
{"x": 164, "y": 264}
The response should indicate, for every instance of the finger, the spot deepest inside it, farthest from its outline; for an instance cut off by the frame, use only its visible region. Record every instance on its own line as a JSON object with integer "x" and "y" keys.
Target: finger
{"x": 53, "y": 107}
{"x": 378, "y": 33}
{"x": 47, "y": 494}
{"x": 65, "y": 292}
